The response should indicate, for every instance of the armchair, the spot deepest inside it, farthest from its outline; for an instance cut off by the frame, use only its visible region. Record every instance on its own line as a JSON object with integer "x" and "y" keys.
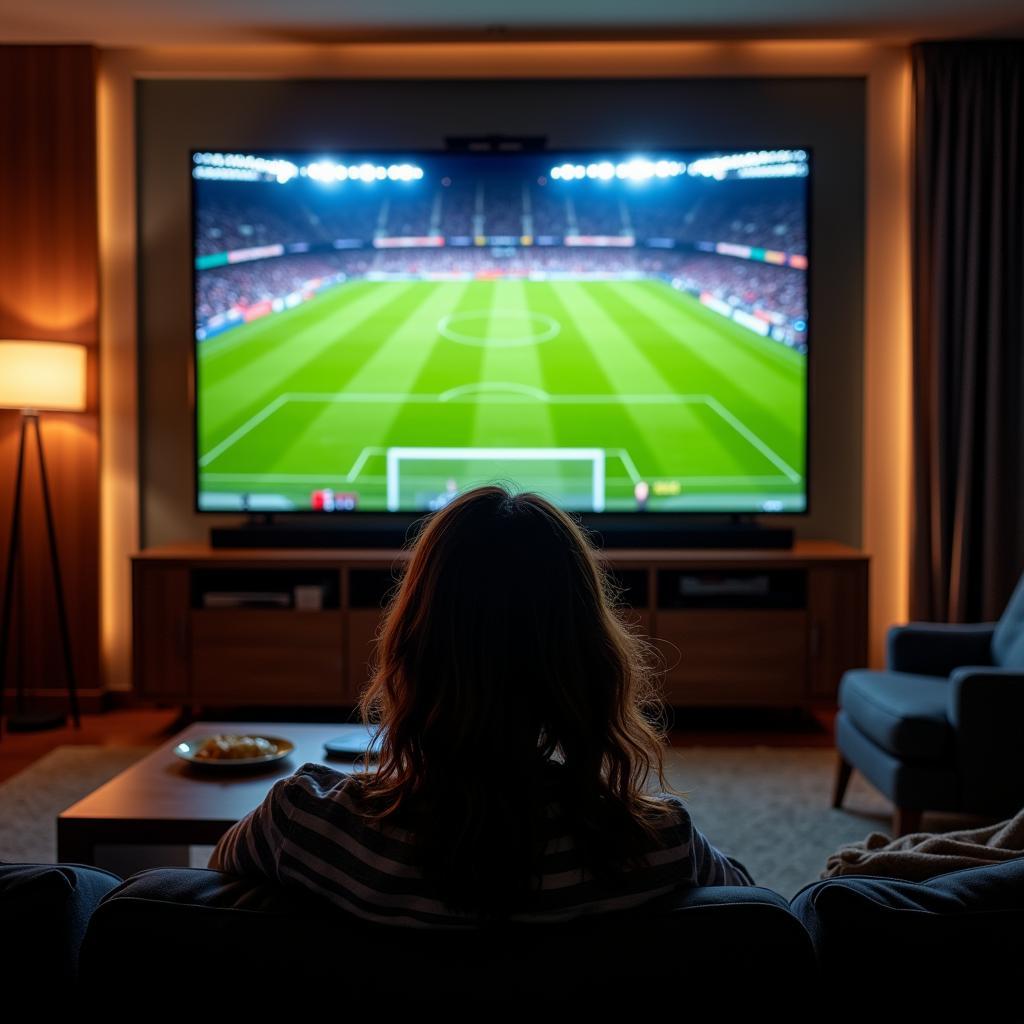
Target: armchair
{"x": 941, "y": 728}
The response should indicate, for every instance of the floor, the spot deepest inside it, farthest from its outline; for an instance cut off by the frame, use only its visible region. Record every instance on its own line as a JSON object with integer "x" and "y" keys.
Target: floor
{"x": 150, "y": 726}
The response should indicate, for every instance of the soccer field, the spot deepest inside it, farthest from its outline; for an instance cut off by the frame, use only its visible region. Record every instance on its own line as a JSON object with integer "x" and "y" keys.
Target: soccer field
{"x": 392, "y": 390}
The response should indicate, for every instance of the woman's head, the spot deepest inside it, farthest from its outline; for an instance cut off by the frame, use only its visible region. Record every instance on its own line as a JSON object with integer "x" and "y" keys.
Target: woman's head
{"x": 500, "y": 653}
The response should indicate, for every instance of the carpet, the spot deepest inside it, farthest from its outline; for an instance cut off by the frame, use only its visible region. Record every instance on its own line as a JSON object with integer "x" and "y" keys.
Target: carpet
{"x": 766, "y": 806}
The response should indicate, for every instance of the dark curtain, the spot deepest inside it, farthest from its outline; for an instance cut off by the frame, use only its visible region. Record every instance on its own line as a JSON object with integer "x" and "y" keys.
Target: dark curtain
{"x": 968, "y": 328}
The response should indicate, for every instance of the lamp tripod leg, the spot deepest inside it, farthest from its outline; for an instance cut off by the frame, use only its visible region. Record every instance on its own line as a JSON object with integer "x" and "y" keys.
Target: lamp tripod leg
{"x": 12, "y": 555}
{"x": 62, "y": 615}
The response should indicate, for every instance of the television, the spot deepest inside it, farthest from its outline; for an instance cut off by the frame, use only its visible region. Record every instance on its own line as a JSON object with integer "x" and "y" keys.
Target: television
{"x": 624, "y": 332}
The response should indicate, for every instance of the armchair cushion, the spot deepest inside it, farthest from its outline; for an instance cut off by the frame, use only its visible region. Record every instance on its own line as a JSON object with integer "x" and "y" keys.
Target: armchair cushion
{"x": 1008, "y": 640}
{"x": 935, "y": 649}
{"x": 904, "y": 714}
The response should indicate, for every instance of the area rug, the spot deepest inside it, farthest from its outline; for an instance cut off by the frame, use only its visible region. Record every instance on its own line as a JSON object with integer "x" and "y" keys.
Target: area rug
{"x": 766, "y": 806}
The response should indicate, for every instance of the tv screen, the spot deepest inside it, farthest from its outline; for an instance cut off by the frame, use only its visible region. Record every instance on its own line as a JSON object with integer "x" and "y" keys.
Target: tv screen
{"x": 621, "y": 332}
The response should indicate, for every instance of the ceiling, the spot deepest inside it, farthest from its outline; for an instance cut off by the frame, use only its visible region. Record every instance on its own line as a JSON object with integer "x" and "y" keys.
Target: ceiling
{"x": 152, "y": 22}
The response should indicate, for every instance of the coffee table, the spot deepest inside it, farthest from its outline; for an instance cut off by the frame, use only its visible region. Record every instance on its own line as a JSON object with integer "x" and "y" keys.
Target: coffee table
{"x": 162, "y": 801}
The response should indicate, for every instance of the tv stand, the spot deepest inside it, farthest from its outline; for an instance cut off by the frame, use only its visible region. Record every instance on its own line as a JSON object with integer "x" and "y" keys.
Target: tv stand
{"x": 262, "y": 531}
{"x": 260, "y": 626}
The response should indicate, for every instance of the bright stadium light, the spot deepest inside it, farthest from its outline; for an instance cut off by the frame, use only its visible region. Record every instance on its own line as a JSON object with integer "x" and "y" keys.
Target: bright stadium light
{"x": 323, "y": 171}
{"x": 719, "y": 167}
{"x": 636, "y": 169}
{"x": 405, "y": 172}
{"x": 242, "y": 167}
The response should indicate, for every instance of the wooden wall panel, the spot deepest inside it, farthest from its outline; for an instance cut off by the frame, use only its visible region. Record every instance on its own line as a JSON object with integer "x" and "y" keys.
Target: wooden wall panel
{"x": 49, "y": 286}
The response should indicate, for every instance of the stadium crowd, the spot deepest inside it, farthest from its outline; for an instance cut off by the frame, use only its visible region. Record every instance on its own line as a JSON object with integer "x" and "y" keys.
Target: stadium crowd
{"x": 755, "y": 287}
{"x": 241, "y": 215}
{"x": 246, "y": 284}
{"x": 778, "y": 293}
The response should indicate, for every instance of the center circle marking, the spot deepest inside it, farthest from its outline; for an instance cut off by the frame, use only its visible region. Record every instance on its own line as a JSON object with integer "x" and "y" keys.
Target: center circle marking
{"x": 538, "y": 327}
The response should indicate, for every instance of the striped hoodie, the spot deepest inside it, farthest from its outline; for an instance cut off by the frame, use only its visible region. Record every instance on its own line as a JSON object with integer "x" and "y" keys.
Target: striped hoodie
{"x": 309, "y": 833}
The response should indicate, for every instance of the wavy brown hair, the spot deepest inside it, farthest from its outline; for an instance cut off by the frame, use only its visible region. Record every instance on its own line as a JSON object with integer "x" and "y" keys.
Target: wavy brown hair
{"x": 506, "y": 680}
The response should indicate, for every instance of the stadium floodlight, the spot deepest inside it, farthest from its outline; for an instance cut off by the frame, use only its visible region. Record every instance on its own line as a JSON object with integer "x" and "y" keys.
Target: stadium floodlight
{"x": 323, "y": 171}
{"x": 719, "y": 167}
{"x": 638, "y": 170}
{"x": 788, "y": 170}
{"x": 404, "y": 172}
{"x": 242, "y": 167}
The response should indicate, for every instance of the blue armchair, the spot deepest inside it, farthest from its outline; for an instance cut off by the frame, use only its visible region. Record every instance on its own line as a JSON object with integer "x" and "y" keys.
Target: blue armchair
{"x": 942, "y": 727}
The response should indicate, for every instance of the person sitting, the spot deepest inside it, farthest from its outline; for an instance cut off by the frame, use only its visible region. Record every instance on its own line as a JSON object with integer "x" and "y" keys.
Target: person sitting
{"x": 517, "y": 722}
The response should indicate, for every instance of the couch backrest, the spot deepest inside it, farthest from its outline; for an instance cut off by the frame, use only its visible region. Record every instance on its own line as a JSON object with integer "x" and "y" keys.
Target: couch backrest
{"x": 223, "y": 932}
{"x": 957, "y": 934}
{"x": 1008, "y": 639}
{"x": 44, "y": 911}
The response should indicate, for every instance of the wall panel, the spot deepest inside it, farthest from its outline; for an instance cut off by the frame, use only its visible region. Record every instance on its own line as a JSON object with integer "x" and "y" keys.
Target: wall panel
{"x": 49, "y": 282}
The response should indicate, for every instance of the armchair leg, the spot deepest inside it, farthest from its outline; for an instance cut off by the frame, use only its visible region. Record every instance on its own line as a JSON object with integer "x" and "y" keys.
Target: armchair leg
{"x": 905, "y": 821}
{"x": 843, "y": 772}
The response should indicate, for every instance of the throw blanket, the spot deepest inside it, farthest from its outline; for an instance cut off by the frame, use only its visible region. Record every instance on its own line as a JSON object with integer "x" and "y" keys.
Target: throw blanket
{"x": 923, "y": 855}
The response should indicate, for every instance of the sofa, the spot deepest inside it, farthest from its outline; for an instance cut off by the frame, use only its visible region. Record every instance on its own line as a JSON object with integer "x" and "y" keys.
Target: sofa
{"x": 187, "y": 931}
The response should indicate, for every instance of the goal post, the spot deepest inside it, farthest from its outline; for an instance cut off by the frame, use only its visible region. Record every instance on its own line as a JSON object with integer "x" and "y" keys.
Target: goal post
{"x": 579, "y": 473}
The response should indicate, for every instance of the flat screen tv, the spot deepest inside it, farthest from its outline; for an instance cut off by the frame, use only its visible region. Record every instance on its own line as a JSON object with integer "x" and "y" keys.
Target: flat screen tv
{"x": 623, "y": 332}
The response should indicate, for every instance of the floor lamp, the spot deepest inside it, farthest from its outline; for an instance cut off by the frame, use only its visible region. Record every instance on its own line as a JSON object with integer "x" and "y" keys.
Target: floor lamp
{"x": 37, "y": 375}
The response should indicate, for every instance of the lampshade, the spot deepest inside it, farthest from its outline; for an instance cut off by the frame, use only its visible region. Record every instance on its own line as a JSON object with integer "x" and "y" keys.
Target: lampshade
{"x": 42, "y": 375}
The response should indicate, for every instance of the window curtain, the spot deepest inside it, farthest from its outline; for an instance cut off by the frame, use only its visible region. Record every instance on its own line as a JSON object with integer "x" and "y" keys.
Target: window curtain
{"x": 968, "y": 328}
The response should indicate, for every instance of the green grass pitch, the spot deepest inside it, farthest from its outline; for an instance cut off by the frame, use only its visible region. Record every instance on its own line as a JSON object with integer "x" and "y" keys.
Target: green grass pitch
{"x": 578, "y": 389}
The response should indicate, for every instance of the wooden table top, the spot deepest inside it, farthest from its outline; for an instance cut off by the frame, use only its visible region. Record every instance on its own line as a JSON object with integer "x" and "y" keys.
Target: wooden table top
{"x": 163, "y": 787}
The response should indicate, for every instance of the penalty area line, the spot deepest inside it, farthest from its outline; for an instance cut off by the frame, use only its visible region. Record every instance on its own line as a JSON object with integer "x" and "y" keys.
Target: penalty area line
{"x": 744, "y": 431}
{"x": 250, "y": 424}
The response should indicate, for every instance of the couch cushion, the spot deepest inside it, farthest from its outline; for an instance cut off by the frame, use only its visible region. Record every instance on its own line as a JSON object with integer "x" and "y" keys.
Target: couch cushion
{"x": 44, "y": 910}
{"x": 903, "y": 713}
{"x": 962, "y": 927}
{"x": 222, "y": 932}
{"x": 1008, "y": 639}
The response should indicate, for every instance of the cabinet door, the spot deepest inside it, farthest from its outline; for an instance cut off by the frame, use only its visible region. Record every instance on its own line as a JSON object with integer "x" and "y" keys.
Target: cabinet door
{"x": 161, "y": 632}
{"x": 742, "y": 656}
{"x": 267, "y": 656}
{"x": 837, "y": 638}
